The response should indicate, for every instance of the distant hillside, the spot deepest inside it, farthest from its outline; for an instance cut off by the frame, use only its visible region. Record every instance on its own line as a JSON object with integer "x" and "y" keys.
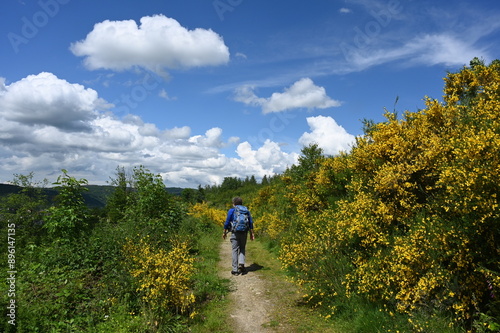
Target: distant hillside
{"x": 174, "y": 190}
{"x": 6, "y": 189}
{"x": 95, "y": 197}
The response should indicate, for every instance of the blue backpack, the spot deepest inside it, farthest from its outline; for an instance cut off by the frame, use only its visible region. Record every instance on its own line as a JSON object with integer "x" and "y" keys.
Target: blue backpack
{"x": 241, "y": 219}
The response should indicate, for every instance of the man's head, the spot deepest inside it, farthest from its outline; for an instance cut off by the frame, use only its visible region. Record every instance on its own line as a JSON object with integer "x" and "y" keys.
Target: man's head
{"x": 237, "y": 201}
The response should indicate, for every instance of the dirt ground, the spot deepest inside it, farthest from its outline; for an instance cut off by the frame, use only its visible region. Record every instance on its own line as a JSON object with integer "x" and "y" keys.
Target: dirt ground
{"x": 263, "y": 300}
{"x": 251, "y": 304}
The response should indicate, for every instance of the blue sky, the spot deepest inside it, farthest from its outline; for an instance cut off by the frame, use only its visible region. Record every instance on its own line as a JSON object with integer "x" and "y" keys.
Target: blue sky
{"x": 198, "y": 90}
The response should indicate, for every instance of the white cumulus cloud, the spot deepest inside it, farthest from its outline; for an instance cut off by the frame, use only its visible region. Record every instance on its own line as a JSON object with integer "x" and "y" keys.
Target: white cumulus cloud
{"x": 329, "y": 136}
{"x": 212, "y": 138}
{"x": 158, "y": 43}
{"x": 38, "y": 134}
{"x": 265, "y": 160}
{"x": 302, "y": 94}
{"x": 48, "y": 100}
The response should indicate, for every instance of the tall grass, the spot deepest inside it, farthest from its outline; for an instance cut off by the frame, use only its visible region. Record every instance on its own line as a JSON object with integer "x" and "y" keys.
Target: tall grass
{"x": 210, "y": 290}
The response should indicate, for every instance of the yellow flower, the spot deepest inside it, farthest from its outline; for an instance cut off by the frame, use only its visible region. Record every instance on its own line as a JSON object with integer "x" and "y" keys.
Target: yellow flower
{"x": 163, "y": 277}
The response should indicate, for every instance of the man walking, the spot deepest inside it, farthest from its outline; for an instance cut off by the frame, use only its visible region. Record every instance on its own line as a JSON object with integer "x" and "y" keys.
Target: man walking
{"x": 239, "y": 222}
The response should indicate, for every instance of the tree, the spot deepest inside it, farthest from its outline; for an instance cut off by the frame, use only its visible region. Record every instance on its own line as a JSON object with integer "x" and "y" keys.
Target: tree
{"x": 192, "y": 196}
{"x": 24, "y": 209}
{"x": 311, "y": 158}
{"x": 230, "y": 183}
{"x": 118, "y": 201}
{"x": 69, "y": 216}
{"x": 151, "y": 209}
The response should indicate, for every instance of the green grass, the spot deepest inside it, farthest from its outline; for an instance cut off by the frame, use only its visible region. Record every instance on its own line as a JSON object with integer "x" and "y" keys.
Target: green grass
{"x": 210, "y": 290}
{"x": 288, "y": 315}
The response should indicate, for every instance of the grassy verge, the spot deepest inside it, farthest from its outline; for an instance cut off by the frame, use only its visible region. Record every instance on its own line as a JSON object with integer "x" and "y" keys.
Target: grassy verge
{"x": 210, "y": 289}
{"x": 288, "y": 314}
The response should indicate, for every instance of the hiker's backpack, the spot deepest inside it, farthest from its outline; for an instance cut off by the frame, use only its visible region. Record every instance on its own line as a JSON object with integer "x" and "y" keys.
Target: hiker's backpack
{"x": 241, "y": 219}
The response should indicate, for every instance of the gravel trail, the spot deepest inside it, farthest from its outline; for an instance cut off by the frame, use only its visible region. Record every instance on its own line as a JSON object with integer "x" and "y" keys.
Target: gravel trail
{"x": 251, "y": 304}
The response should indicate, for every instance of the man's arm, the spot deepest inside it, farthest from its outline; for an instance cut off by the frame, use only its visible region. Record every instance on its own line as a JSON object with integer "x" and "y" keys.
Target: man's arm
{"x": 227, "y": 224}
{"x": 252, "y": 236}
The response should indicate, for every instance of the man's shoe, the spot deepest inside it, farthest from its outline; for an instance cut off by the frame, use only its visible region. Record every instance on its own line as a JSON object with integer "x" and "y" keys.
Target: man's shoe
{"x": 235, "y": 273}
{"x": 242, "y": 269}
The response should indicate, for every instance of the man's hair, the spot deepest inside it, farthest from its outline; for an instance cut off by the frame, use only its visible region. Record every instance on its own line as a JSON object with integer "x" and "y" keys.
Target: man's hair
{"x": 237, "y": 201}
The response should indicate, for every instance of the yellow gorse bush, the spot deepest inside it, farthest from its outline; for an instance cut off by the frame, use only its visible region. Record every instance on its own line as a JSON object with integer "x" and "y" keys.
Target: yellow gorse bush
{"x": 410, "y": 216}
{"x": 163, "y": 277}
{"x": 205, "y": 212}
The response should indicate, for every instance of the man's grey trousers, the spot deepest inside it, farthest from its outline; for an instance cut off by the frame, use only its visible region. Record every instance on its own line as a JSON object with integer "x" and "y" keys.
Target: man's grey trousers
{"x": 238, "y": 244}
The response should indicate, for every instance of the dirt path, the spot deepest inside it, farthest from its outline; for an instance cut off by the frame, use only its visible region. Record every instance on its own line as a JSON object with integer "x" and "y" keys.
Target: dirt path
{"x": 251, "y": 304}
{"x": 263, "y": 300}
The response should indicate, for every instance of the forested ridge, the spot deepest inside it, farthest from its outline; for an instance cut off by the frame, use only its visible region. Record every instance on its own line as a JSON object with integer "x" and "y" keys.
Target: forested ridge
{"x": 94, "y": 195}
{"x": 400, "y": 233}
